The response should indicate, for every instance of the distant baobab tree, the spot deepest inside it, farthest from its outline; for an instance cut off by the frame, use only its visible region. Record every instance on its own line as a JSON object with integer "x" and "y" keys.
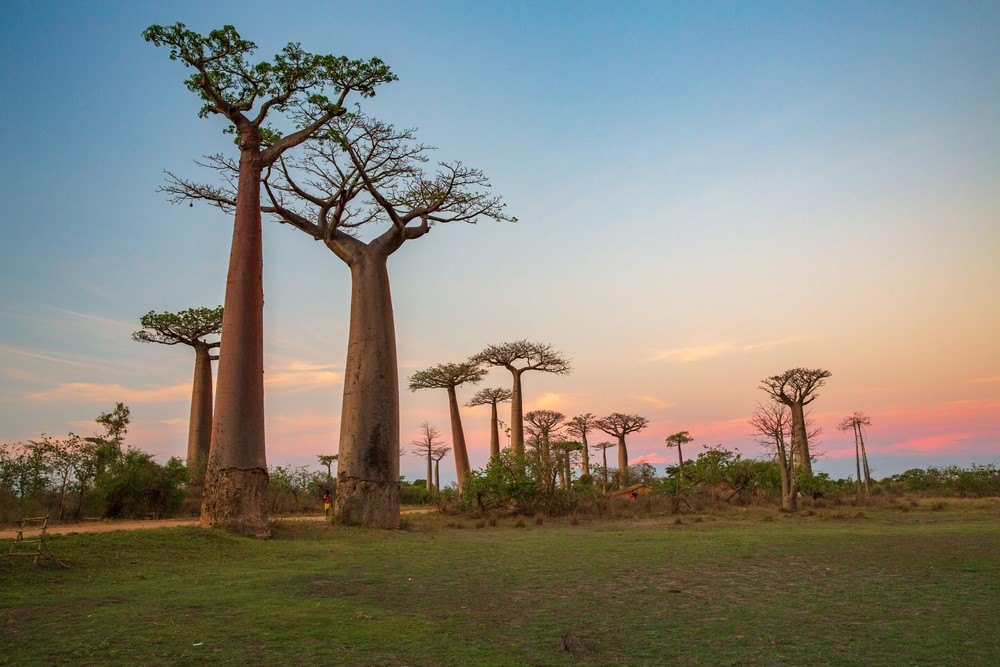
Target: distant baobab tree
{"x": 367, "y": 174}
{"x": 677, "y": 440}
{"x": 619, "y": 425}
{"x": 532, "y": 357}
{"x": 438, "y": 454}
{"x": 604, "y": 447}
{"x": 491, "y": 396}
{"x": 545, "y": 424}
{"x": 328, "y": 461}
{"x": 297, "y": 89}
{"x": 425, "y": 446}
{"x": 579, "y": 427}
{"x": 857, "y": 423}
{"x": 771, "y": 423}
{"x": 192, "y": 327}
{"x": 796, "y": 388}
{"x": 448, "y": 377}
{"x": 563, "y": 454}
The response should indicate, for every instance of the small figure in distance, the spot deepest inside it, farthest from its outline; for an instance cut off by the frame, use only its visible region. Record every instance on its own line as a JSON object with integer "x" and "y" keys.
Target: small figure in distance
{"x": 327, "y": 502}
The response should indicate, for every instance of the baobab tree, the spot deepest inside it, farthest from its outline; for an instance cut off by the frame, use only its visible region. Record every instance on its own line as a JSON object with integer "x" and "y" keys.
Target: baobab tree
{"x": 194, "y": 327}
{"x": 604, "y": 447}
{"x": 676, "y": 440}
{"x": 796, "y": 388}
{"x": 491, "y": 396}
{"x": 619, "y": 425}
{"x": 772, "y": 423}
{"x": 438, "y": 454}
{"x": 545, "y": 424}
{"x": 857, "y": 422}
{"x": 366, "y": 173}
{"x": 564, "y": 450}
{"x": 533, "y": 357}
{"x": 579, "y": 427}
{"x": 425, "y": 446}
{"x": 449, "y": 377}
{"x": 328, "y": 461}
{"x": 307, "y": 91}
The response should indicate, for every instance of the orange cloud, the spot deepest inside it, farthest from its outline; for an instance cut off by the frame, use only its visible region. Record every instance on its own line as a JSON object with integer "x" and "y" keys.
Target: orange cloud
{"x": 92, "y": 392}
{"x": 652, "y": 400}
{"x": 934, "y": 444}
{"x": 693, "y": 353}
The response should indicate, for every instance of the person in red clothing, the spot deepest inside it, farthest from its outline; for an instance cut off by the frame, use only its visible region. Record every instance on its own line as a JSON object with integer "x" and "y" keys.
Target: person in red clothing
{"x": 327, "y": 501}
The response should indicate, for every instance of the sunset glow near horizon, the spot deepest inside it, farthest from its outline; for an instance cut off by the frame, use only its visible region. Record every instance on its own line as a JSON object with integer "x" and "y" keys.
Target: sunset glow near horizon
{"x": 707, "y": 195}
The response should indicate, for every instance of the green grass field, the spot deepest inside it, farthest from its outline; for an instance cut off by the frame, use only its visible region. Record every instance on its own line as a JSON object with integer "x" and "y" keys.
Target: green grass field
{"x": 920, "y": 586}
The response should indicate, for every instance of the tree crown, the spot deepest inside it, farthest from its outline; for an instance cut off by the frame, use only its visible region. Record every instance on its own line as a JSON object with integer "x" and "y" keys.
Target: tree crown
{"x": 680, "y": 438}
{"x": 536, "y": 357}
{"x": 581, "y": 425}
{"x": 620, "y": 424}
{"x": 545, "y": 421}
{"x": 189, "y": 327}
{"x": 489, "y": 396}
{"x": 446, "y": 376}
{"x": 796, "y": 385}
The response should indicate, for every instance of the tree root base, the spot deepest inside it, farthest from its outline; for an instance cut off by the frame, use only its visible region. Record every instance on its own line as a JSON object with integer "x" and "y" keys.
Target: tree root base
{"x": 235, "y": 501}
{"x": 362, "y": 502}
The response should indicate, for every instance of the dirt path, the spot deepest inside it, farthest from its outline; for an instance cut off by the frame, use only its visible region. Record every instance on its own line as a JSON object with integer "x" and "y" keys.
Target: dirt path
{"x": 144, "y": 524}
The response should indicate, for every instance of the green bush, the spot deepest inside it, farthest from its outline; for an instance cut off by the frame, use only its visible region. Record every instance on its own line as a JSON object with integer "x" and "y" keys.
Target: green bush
{"x": 135, "y": 485}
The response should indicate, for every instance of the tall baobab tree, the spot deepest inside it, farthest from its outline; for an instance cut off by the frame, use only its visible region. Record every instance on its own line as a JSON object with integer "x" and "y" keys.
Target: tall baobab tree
{"x": 579, "y": 427}
{"x": 545, "y": 424}
{"x": 796, "y": 388}
{"x": 533, "y": 357}
{"x": 308, "y": 90}
{"x": 857, "y": 422}
{"x": 425, "y": 446}
{"x": 491, "y": 396}
{"x": 772, "y": 423}
{"x": 438, "y": 454}
{"x": 193, "y": 327}
{"x": 677, "y": 440}
{"x": 366, "y": 174}
{"x": 604, "y": 447}
{"x": 619, "y": 425}
{"x": 449, "y": 377}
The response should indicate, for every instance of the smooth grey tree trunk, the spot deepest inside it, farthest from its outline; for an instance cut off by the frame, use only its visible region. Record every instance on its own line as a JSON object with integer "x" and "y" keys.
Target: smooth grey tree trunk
{"x": 368, "y": 470}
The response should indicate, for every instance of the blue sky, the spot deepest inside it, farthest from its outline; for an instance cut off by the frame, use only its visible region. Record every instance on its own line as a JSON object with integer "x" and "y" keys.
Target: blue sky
{"x": 708, "y": 193}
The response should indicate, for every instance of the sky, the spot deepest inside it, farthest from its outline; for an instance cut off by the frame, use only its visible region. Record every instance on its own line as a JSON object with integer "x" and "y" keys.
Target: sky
{"x": 707, "y": 194}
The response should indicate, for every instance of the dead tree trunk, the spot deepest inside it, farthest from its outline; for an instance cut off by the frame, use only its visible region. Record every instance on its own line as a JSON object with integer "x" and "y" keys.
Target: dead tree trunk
{"x": 368, "y": 470}
{"x": 235, "y": 496}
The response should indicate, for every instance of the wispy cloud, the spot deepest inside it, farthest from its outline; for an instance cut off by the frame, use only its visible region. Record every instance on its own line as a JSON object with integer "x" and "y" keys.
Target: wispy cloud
{"x": 92, "y": 392}
{"x": 693, "y": 353}
{"x": 38, "y": 356}
{"x": 944, "y": 442}
{"x": 291, "y": 375}
{"x": 651, "y": 400}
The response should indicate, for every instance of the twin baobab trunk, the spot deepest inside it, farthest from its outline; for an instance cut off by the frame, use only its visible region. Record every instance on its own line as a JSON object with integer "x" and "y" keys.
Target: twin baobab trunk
{"x": 236, "y": 479}
{"x": 368, "y": 470}
{"x": 800, "y": 441}
{"x": 864, "y": 462}
{"x": 200, "y": 424}
{"x": 458, "y": 439}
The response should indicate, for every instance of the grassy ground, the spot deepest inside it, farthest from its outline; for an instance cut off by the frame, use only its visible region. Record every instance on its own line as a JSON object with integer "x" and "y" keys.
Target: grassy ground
{"x": 903, "y": 585}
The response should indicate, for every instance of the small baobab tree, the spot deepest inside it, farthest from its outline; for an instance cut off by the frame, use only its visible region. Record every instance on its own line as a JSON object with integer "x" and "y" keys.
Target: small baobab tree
{"x": 564, "y": 452}
{"x": 449, "y": 377}
{"x": 545, "y": 424}
{"x": 368, "y": 176}
{"x": 797, "y": 388}
{"x": 677, "y": 440}
{"x": 328, "y": 460}
{"x": 531, "y": 357}
{"x": 194, "y": 327}
{"x": 425, "y": 446}
{"x": 306, "y": 91}
{"x": 604, "y": 447}
{"x": 857, "y": 422}
{"x": 438, "y": 454}
{"x": 491, "y": 396}
{"x": 619, "y": 425}
{"x": 772, "y": 425}
{"x": 579, "y": 427}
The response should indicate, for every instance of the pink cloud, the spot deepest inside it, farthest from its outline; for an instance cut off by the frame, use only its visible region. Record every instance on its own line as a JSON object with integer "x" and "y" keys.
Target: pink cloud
{"x": 934, "y": 444}
{"x": 92, "y": 392}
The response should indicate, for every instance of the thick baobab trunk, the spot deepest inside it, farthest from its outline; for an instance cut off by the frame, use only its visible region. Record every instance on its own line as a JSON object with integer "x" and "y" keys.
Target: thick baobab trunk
{"x": 430, "y": 479}
{"x": 368, "y": 470}
{"x": 800, "y": 441}
{"x": 494, "y": 432}
{"x": 458, "y": 439}
{"x": 604, "y": 458}
{"x": 622, "y": 463}
{"x": 789, "y": 489}
{"x": 437, "y": 475}
{"x": 516, "y": 416}
{"x": 200, "y": 424}
{"x": 563, "y": 481}
{"x": 586, "y": 454}
{"x": 236, "y": 478}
